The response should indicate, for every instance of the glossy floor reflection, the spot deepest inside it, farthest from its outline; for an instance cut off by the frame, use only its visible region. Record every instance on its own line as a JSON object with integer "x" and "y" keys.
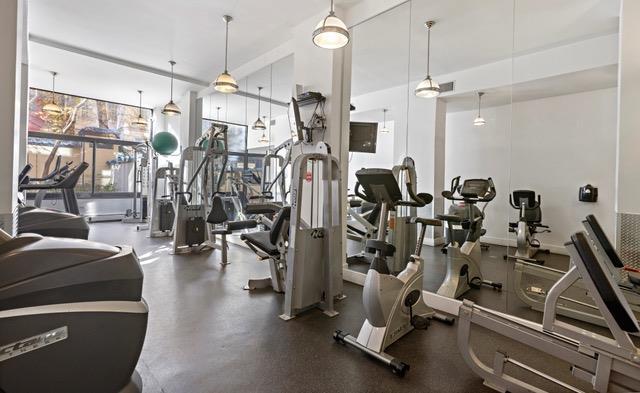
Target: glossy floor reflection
{"x": 206, "y": 334}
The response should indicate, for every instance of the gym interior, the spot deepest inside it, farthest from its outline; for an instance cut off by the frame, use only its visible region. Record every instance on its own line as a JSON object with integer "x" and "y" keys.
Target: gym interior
{"x": 319, "y": 196}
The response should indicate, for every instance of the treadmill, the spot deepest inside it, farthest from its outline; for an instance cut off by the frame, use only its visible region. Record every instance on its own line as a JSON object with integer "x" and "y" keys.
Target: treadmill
{"x": 51, "y": 222}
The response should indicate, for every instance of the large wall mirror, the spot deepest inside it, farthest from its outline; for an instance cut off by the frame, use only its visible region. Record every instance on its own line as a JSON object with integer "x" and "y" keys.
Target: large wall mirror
{"x": 257, "y": 123}
{"x": 527, "y": 114}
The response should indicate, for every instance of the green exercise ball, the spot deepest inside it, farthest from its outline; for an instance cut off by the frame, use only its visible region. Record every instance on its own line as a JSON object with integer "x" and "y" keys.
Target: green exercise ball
{"x": 164, "y": 143}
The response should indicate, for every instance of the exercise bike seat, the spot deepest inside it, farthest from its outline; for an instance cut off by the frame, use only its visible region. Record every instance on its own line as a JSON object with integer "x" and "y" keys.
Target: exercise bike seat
{"x": 450, "y": 218}
{"x": 385, "y": 248}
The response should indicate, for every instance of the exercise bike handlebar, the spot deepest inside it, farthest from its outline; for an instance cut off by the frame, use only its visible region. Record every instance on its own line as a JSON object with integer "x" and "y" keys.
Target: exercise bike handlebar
{"x": 469, "y": 197}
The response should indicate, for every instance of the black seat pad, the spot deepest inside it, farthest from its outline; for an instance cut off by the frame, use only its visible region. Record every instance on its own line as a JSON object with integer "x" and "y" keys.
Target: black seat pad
{"x": 217, "y": 215}
{"x": 449, "y": 217}
{"x": 261, "y": 241}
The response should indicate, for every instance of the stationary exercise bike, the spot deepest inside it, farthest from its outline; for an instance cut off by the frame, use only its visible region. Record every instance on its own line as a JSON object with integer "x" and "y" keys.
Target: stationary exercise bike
{"x": 463, "y": 247}
{"x": 529, "y": 224}
{"x": 393, "y": 304}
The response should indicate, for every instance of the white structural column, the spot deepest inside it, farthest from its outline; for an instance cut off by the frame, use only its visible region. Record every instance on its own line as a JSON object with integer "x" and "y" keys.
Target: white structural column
{"x": 426, "y": 145}
{"x": 628, "y": 168}
{"x": 12, "y": 42}
{"x": 328, "y": 72}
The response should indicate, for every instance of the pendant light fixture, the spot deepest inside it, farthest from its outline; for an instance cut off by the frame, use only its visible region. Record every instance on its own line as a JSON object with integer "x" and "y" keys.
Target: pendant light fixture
{"x": 52, "y": 108}
{"x": 428, "y": 88}
{"x": 263, "y": 138}
{"x": 479, "y": 121}
{"x": 225, "y": 83}
{"x": 171, "y": 109}
{"x": 384, "y": 122}
{"x": 331, "y": 32}
{"x": 140, "y": 121}
{"x": 259, "y": 124}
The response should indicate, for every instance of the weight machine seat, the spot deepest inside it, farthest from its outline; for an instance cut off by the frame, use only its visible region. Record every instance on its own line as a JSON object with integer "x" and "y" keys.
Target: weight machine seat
{"x": 217, "y": 214}
{"x": 604, "y": 285}
{"x": 267, "y": 240}
{"x": 262, "y": 241}
{"x": 262, "y": 207}
{"x": 598, "y": 232}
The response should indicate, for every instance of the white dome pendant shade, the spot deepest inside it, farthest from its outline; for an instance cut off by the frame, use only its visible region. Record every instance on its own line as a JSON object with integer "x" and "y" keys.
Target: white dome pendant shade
{"x": 140, "y": 121}
{"x": 225, "y": 83}
{"x": 479, "y": 120}
{"x": 52, "y": 108}
{"x": 259, "y": 124}
{"x": 171, "y": 109}
{"x": 331, "y": 32}
{"x": 264, "y": 138}
{"x": 428, "y": 88}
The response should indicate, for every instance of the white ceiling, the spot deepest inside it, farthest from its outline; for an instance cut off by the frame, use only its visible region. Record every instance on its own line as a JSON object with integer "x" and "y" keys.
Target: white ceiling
{"x": 388, "y": 50}
{"x": 468, "y": 33}
{"x": 151, "y": 32}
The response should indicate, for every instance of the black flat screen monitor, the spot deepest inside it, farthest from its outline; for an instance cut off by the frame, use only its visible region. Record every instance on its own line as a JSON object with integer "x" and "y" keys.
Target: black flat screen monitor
{"x": 363, "y": 137}
{"x": 294, "y": 119}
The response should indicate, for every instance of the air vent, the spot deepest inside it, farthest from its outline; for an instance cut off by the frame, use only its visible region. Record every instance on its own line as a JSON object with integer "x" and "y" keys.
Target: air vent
{"x": 446, "y": 87}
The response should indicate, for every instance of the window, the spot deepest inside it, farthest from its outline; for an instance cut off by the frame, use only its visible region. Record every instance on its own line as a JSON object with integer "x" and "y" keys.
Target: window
{"x": 97, "y": 132}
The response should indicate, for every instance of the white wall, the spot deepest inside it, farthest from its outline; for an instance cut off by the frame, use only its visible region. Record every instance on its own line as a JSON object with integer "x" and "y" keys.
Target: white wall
{"x": 553, "y": 146}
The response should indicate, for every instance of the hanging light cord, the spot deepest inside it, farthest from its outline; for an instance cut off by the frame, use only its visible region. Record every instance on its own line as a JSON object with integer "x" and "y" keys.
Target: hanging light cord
{"x": 479, "y": 101}
{"x": 140, "y": 107}
{"x": 259, "y": 91}
{"x": 428, "y": 50}
{"x": 226, "y": 45}
{"x": 172, "y": 64}
{"x": 53, "y": 87}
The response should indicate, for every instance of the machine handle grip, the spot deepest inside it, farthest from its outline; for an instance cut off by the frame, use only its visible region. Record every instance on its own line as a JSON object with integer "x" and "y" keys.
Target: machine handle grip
{"x": 361, "y": 195}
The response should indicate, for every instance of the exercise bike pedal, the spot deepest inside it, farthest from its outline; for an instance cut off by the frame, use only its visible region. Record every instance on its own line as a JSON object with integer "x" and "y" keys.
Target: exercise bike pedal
{"x": 420, "y": 322}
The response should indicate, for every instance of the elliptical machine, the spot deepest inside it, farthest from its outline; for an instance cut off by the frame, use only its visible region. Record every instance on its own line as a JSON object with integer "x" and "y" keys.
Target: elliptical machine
{"x": 528, "y": 225}
{"x": 463, "y": 247}
{"x": 393, "y": 304}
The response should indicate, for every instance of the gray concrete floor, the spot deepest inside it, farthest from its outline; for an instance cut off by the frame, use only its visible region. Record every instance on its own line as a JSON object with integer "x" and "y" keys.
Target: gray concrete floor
{"x": 207, "y": 334}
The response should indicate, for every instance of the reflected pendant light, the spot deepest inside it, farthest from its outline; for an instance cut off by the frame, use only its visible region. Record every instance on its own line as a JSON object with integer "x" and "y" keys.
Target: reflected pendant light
{"x": 263, "y": 138}
{"x": 140, "y": 121}
{"x": 218, "y": 112}
{"x": 259, "y": 124}
{"x": 331, "y": 32}
{"x": 225, "y": 83}
{"x": 479, "y": 121}
{"x": 384, "y": 122}
{"x": 52, "y": 108}
{"x": 171, "y": 109}
{"x": 428, "y": 88}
